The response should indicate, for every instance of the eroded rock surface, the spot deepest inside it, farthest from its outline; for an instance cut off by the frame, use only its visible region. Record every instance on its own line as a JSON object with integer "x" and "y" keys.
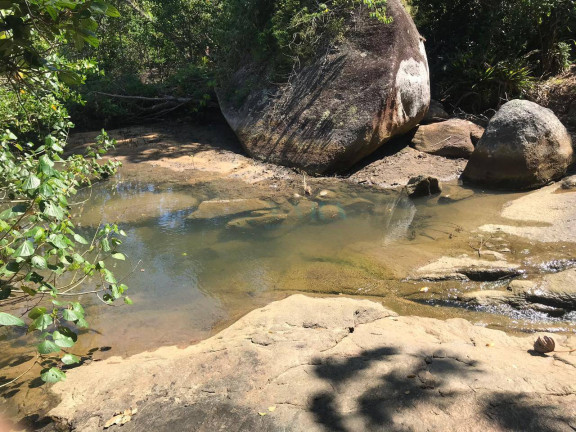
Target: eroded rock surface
{"x": 467, "y": 268}
{"x": 372, "y": 86}
{"x": 306, "y": 364}
{"x": 554, "y": 294}
{"x": 525, "y": 146}
{"x": 453, "y": 138}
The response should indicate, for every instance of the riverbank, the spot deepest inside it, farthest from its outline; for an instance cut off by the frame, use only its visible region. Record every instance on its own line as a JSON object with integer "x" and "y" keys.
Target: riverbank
{"x": 305, "y": 364}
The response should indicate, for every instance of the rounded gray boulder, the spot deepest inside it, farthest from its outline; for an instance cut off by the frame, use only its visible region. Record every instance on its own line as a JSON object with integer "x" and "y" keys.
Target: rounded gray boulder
{"x": 525, "y": 146}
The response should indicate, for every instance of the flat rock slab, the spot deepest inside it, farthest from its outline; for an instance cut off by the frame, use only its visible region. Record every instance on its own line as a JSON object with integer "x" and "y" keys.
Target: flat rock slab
{"x": 466, "y": 268}
{"x": 337, "y": 364}
{"x": 547, "y": 215}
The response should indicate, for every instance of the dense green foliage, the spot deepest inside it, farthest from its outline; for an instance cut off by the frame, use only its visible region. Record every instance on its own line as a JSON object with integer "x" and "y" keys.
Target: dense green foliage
{"x": 483, "y": 52}
{"x": 44, "y": 261}
{"x": 181, "y": 48}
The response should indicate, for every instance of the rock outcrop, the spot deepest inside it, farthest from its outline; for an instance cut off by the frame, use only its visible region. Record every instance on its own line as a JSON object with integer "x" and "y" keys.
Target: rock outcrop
{"x": 524, "y": 147}
{"x": 553, "y": 294}
{"x": 309, "y": 364}
{"x": 453, "y": 138}
{"x": 350, "y": 100}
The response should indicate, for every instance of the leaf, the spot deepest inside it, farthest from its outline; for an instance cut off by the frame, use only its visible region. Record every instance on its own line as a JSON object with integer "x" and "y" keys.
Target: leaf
{"x": 45, "y": 164}
{"x": 128, "y": 300}
{"x": 39, "y": 262}
{"x": 62, "y": 341}
{"x": 36, "y": 312}
{"x": 80, "y": 239}
{"x": 70, "y": 359}
{"x": 42, "y": 322}
{"x": 48, "y": 347}
{"x": 105, "y": 245}
{"x": 11, "y": 320}
{"x": 54, "y": 211}
{"x": 119, "y": 256}
{"x": 70, "y": 315}
{"x": 59, "y": 241}
{"x": 31, "y": 183}
{"x": 53, "y": 375}
{"x": 26, "y": 249}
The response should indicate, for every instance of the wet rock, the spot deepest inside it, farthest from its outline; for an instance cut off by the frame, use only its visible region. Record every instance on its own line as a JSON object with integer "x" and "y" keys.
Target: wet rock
{"x": 466, "y": 268}
{"x": 553, "y": 294}
{"x": 358, "y": 205}
{"x": 304, "y": 211}
{"x": 329, "y": 213}
{"x": 525, "y": 146}
{"x": 453, "y": 138}
{"x": 229, "y": 208}
{"x": 257, "y": 222}
{"x": 435, "y": 114}
{"x": 569, "y": 183}
{"x": 343, "y": 105}
{"x": 423, "y": 186}
{"x": 557, "y": 290}
{"x": 326, "y": 195}
{"x": 297, "y": 362}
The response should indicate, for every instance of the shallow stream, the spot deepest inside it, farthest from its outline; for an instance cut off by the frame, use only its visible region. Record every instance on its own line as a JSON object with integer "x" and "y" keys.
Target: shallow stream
{"x": 190, "y": 276}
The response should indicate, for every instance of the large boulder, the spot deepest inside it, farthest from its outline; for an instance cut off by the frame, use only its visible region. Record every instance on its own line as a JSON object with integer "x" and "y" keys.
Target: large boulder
{"x": 524, "y": 147}
{"x": 452, "y": 138}
{"x": 341, "y": 107}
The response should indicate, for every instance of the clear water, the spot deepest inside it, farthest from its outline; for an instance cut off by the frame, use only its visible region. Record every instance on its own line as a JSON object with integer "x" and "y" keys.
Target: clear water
{"x": 188, "y": 278}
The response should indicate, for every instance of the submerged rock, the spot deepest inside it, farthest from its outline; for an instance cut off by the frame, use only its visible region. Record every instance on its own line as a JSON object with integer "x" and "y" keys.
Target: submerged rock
{"x": 452, "y": 138}
{"x": 228, "y": 208}
{"x": 524, "y": 147}
{"x": 346, "y": 103}
{"x": 358, "y": 205}
{"x": 304, "y": 211}
{"x": 423, "y": 186}
{"x": 329, "y": 213}
{"x": 257, "y": 222}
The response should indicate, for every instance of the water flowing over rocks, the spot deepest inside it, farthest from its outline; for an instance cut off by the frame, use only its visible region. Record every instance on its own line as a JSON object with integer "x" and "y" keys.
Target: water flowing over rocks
{"x": 308, "y": 364}
{"x": 352, "y": 98}
{"x": 524, "y": 147}
{"x": 553, "y": 294}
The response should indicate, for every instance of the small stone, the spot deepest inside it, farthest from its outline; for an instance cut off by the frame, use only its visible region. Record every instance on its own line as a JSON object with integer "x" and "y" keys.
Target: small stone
{"x": 423, "y": 186}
